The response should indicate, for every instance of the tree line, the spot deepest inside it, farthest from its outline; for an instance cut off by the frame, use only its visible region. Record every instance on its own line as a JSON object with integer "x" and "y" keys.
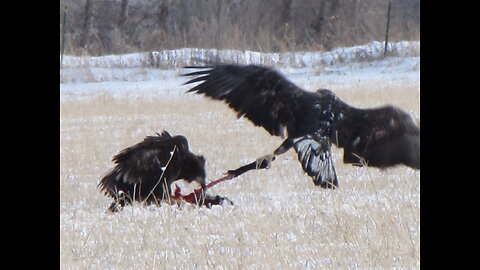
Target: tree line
{"x": 99, "y": 27}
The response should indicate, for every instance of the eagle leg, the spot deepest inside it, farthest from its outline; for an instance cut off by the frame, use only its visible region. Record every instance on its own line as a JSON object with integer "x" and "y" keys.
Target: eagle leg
{"x": 284, "y": 147}
{"x": 119, "y": 202}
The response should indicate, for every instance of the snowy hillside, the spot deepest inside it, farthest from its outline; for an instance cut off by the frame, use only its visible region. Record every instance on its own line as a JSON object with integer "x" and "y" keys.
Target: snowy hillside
{"x": 157, "y": 73}
{"x": 188, "y": 56}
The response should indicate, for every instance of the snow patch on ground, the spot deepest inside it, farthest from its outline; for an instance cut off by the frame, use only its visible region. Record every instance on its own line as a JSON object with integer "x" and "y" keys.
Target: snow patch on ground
{"x": 194, "y": 56}
{"x": 158, "y": 74}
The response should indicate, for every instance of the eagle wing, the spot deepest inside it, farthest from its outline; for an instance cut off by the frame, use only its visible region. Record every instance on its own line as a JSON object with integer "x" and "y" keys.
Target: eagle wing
{"x": 146, "y": 162}
{"x": 378, "y": 137}
{"x": 261, "y": 94}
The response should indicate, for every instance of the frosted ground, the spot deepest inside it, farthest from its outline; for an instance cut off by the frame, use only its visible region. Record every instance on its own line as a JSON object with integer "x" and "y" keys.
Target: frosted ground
{"x": 280, "y": 219}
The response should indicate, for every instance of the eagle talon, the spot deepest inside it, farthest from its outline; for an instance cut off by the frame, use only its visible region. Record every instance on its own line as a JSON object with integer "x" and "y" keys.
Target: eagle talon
{"x": 222, "y": 200}
{"x": 267, "y": 159}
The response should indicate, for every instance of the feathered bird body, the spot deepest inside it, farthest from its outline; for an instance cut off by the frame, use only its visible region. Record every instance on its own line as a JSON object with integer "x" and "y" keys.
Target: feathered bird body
{"x": 145, "y": 171}
{"x": 312, "y": 121}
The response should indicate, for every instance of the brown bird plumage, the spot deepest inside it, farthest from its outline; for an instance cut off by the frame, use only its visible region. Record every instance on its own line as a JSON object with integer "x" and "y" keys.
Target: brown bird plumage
{"x": 313, "y": 121}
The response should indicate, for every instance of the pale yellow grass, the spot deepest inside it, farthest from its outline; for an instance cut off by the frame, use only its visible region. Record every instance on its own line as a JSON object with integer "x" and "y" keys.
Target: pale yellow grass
{"x": 280, "y": 219}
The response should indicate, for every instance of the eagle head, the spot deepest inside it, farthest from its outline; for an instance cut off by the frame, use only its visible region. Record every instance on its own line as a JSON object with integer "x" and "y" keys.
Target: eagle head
{"x": 325, "y": 92}
{"x": 194, "y": 170}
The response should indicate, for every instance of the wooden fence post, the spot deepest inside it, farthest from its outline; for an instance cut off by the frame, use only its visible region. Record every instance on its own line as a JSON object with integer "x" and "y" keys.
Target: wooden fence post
{"x": 62, "y": 46}
{"x": 388, "y": 26}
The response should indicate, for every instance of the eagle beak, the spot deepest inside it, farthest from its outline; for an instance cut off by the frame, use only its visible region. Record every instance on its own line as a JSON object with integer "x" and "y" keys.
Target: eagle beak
{"x": 201, "y": 181}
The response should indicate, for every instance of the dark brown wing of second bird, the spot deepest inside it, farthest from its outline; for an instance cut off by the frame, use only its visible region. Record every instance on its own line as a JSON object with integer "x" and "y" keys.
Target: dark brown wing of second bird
{"x": 261, "y": 94}
{"x": 269, "y": 100}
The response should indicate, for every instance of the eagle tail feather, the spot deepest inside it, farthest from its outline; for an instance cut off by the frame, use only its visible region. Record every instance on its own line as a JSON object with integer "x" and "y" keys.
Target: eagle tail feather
{"x": 316, "y": 160}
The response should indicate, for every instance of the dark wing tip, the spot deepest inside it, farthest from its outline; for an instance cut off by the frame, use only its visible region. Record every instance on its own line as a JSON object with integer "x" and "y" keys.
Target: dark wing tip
{"x": 164, "y": 134}
{"x": 197, "y": 73}
{"x": 199, "y": 79}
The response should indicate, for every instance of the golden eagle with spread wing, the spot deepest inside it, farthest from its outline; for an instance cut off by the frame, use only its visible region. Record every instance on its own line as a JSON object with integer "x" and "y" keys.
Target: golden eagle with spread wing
{"x": 312, "y": 121}
{"x": 145, "y": 172}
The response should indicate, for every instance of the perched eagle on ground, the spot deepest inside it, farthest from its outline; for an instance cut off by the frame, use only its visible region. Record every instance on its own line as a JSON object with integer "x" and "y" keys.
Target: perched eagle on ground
{"x": 145, "y": 172}
{"x": 312, "y": 121}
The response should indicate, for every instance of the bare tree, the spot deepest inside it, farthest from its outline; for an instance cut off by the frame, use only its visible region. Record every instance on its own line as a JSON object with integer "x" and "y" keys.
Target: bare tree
{"x": 120, "y": 26}
{"x": 123, "y": 19}
{"x": 87, "y": 24}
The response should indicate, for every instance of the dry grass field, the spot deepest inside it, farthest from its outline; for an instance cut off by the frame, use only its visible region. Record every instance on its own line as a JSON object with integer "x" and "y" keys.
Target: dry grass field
{"x": 280, "y": 220}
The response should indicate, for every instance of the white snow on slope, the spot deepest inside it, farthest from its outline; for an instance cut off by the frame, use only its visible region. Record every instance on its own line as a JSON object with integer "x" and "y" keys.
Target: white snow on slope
{"x": 157, "y": 74}
{"x": 192, "y": 56}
